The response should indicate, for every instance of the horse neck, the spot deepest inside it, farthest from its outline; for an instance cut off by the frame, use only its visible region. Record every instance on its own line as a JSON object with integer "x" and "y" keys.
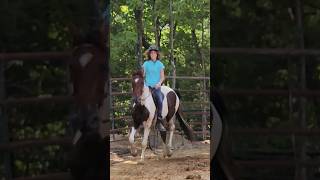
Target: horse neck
{"x": 146, "y": 94}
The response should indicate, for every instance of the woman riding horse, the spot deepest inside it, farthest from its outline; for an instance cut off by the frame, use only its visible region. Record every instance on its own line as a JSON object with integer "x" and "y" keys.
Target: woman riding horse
{"x": 144, "y": 114}
{"x": 154, "y": 76}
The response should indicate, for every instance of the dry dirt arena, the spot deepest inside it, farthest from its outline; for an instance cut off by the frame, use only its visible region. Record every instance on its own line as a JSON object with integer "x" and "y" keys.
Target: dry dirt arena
{"x": 189, "y": 161}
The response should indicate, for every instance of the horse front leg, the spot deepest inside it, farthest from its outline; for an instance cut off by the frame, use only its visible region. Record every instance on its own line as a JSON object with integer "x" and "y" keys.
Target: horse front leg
{"x": 144, "y": 143}
{"x": 133, "y": 149}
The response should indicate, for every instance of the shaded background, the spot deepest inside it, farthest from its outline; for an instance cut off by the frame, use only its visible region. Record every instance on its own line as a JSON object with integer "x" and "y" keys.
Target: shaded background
{"x": 34, "y": 132}
{"x": 266, "y": 67}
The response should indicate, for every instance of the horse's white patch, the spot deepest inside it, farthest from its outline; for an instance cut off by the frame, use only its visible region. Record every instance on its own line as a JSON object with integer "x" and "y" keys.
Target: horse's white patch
{"x": 76, "y": 137}
{"x": 165, "y": 90}
{"x": 131, "y": 138}
{"x": 136, "y": 80}
{"x": 85, "y": 59}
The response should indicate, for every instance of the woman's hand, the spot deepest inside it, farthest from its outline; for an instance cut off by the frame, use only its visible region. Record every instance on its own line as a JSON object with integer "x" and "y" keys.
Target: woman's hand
{"x": 158, "y": 85}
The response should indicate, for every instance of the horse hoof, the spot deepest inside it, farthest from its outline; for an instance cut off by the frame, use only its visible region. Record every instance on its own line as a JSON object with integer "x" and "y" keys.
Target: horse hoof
{"x": 164, "y": 156}
{"x": 140, "y": 162}
{"x": 134, "y": 153}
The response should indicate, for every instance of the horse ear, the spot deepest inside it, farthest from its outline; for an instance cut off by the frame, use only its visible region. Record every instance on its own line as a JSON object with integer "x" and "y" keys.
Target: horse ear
{"x": 140, "y": 72}
{"x": 134, "y": 73}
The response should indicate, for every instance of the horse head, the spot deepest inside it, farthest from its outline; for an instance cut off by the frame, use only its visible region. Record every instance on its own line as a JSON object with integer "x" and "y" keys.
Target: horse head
{"x": 137, "y": 86}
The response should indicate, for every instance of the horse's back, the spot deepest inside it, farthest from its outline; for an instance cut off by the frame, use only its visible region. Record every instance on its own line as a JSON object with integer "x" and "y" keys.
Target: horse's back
{"x": 166, "y": 89}
{"x": 170, "y": 101}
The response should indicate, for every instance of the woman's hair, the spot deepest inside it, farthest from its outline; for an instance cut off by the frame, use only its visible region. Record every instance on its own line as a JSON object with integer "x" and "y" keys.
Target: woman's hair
{"x": 158, "y": 54}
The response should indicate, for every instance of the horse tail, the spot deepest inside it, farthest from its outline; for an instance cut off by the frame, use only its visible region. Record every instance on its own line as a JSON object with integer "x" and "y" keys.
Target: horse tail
{"x": 184, "y": 126}
{"x": 178, "y": 93}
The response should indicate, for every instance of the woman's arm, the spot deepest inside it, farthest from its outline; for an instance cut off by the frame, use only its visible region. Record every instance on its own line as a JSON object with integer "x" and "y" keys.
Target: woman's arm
{"x": 162, "y": 77}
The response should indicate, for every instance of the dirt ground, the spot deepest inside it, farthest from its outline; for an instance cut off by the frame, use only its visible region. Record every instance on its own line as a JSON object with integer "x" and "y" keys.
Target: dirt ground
{"x": 189, "y": 161}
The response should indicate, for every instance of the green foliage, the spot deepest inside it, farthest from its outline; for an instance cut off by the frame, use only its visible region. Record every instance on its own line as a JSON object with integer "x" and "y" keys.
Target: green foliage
{"x": 124, "y": 35}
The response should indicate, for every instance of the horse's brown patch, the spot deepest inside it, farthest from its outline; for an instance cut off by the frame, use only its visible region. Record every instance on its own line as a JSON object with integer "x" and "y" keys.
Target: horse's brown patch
{"x": 139, "y": 114}
{"x": 88, "y": 81}
{"x": 171, "y": 99}
{"x": 137, "y": 84}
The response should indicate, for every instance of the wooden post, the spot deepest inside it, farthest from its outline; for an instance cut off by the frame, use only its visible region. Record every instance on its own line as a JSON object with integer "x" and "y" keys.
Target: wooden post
{"x": 111, "y": 112}
{"x": 108, "y": 84}
{"x": 301, "y": 172}
{"x": 4, "y": 132}
{"x": 3, "y": 119}
{"x": 204, "y": 116}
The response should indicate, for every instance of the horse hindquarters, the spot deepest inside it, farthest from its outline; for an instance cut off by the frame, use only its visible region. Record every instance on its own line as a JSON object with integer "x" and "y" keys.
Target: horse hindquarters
{"x": 172, "y": 106}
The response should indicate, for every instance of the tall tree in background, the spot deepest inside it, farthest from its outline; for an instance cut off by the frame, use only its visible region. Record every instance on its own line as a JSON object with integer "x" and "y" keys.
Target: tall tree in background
{"x": 138, "y": 13}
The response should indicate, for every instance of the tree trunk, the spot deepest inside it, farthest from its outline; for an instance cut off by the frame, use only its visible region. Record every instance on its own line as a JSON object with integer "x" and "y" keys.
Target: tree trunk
{"x": 156, "y": 24}
{"x": 138, "y": 13}
{"x": 145, "y": 43}
{"x": 171, "y": 47}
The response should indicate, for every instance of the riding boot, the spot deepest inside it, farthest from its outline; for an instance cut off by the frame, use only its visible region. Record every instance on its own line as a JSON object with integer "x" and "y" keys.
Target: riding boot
{"x": 159, "y": 124}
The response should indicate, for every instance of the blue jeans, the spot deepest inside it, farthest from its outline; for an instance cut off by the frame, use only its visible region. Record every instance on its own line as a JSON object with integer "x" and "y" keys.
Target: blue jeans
{"x": 159, "y": 98}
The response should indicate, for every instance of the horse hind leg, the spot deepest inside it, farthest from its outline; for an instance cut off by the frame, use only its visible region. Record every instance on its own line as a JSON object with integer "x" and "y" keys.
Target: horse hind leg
{"x": 172, "y": 103}
{"x": 164, "y": 146}
{"x": 171, "y": 131}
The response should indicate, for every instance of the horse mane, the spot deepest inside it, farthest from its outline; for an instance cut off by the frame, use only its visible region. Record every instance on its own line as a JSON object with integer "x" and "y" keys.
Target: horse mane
{"x": 138, "y": 73}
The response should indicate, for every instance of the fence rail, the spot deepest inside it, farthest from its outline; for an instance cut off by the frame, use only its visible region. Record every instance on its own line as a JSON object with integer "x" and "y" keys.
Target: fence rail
{"x": 40, "y": 56}
{"x": 167, "y": 77}
{"x": 270, "y": 92}
{"x": 36, "y": 142}
{"x": 275, "y": 163}
{"x": 52, "y": 176}
{"x": 267, "y": 51}
{"x": 275, "y": 131}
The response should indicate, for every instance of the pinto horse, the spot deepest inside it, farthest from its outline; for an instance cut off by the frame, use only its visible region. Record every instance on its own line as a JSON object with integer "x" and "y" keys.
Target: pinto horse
{"x": 144, "y": 114}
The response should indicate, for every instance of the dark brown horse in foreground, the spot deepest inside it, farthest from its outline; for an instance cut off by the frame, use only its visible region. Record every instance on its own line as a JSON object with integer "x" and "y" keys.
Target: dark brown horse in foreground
{"x": 222, "y": 165}
{"x": 89, "y": 74}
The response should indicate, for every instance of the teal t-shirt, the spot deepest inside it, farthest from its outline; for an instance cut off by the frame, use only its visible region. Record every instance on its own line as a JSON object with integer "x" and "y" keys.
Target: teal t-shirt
{"x": 152, "y": 71}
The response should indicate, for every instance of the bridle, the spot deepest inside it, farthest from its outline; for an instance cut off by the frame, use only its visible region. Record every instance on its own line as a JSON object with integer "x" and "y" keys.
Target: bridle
{"x": 143, "y": 97}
